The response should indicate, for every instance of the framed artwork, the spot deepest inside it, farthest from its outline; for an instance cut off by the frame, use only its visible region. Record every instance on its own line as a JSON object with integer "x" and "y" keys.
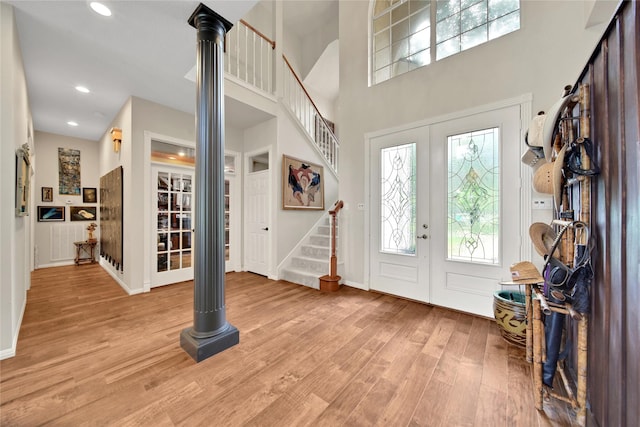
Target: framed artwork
{"x": 23, "y": 180}
{"x": 302, "y": 184}
{"x": 82, "y": 213}
{"x": 47, "y": 194}
{"x": 50, "y": 213}
{"x": 69, "y": 171}
{"x": 89, "y": 195}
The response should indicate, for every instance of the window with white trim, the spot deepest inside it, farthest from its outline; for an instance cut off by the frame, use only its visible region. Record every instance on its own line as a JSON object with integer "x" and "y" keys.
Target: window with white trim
{"x": 408, "y": 34}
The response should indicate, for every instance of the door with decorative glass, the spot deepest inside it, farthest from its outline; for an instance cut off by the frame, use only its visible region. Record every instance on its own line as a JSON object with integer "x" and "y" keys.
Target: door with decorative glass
{"x": 475, "y": 207}
{"x": 399, "y": 214}
{"x": 172, "y": 205}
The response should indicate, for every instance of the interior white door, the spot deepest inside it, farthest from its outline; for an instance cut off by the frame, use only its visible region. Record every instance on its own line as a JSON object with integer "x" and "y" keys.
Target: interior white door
{"x": 256, "y": 242}
{"x": 172, "y": 210}
{"x": 475, "y": 209}
{"x": 399, "y": 214}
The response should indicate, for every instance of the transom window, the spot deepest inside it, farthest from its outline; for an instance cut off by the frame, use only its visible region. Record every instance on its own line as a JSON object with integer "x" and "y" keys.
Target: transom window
{"x": 408, "y": 34}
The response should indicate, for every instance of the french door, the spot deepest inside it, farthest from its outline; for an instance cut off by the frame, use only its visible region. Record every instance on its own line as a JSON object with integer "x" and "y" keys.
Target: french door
{"x": 172, "y": 210}
{"x": 444, "y": 209}
{"x": 400, "y": 230}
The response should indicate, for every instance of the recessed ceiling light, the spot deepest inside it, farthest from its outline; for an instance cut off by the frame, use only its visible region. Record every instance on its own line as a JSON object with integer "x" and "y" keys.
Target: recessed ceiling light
{"x": 171, "y": 158}
{"x": 82, "y": 89}
{"x": 181, "y": 153}
{"x": 72, "y": 123}
{"x": 100, "y": 9}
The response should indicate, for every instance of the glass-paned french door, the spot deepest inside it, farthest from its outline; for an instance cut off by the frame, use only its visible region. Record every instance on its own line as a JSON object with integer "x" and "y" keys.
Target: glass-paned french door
{"x": 444, "y": 215}
{"x": 173, "y": 215}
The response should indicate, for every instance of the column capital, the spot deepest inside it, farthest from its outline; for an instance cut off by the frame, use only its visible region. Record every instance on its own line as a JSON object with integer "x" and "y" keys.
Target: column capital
{"x": 203, "y": 16}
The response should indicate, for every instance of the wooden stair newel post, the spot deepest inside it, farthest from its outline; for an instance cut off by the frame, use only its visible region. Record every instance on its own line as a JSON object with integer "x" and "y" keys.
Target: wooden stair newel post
{"x": 211, "y": 333}
{"x": 331, "y": 282}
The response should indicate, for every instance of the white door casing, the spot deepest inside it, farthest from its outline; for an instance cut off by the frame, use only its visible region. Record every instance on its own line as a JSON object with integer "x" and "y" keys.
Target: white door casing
{"x": 257, "y": 233}
{"x": 172, "y": 213}
{"x": 455, "y": 284}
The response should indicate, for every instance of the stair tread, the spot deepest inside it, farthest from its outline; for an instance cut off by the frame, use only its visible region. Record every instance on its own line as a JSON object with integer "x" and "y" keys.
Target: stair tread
{"x": 302, "y": 272}
{"x": 310, "y": 258}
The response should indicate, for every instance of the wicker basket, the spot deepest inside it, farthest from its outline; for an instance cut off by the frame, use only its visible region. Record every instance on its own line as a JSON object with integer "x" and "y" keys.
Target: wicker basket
{"x": 511, "y": 316}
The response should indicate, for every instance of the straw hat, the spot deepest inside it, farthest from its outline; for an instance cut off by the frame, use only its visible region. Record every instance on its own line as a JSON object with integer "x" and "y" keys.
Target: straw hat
{"x": 558, "y": 177}
{"x": 542, "y": 237}
{"x": 525, "y": 273}
{"x": 543, "y": 178}
{"x": 550, "y": 125}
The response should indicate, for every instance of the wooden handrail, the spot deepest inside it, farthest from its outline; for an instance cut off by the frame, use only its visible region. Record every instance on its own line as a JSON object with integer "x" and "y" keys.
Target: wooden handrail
{"x": 252, "y": 28}
{"x": 286, "y": 61}
{"x": 331, "y": 282}
{"x": 336, "y": 208}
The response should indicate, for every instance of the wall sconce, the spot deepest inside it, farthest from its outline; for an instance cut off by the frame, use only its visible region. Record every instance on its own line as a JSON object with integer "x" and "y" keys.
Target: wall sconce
{"x": 116, "y": 136}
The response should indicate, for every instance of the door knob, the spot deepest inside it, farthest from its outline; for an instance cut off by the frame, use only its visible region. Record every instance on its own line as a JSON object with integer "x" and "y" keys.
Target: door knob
{"x": 266, "y": 228}
{"x": 425, "y": 226}
{"x": 424, "y": 236}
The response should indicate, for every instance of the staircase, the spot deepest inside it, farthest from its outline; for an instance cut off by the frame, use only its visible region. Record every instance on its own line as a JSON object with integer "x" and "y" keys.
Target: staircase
{"x": 250, "y": 59}
{"x": 310, "y": 259}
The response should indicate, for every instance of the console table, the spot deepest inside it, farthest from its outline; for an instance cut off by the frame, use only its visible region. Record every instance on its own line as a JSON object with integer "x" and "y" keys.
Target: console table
{"x": 85, "y": 252}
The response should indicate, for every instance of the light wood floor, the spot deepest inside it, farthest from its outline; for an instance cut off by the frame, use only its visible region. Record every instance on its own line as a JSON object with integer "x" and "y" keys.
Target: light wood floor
{"x": 88, "y": 354}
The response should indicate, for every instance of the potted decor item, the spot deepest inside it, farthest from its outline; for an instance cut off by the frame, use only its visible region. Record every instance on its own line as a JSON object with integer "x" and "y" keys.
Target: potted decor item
{"x": 511, "y": 316}
{"x": 91, "y": 228}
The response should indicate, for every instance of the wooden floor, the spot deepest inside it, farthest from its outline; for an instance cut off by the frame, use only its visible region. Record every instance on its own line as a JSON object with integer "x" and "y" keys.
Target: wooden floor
{"x": 88, "y": 354}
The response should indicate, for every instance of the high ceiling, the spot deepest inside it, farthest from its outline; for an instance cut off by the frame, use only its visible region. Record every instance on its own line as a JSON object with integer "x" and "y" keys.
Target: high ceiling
{"x": 144, "y": 49}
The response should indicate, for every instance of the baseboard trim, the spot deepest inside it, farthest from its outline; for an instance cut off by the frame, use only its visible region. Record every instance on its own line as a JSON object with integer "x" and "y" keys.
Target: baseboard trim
{"x": 11, "y": 352}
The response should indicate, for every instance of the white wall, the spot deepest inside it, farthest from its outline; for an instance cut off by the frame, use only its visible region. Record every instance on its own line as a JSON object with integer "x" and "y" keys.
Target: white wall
{"x": 136, "y": 117}
{"x": 46, "y": 150}
{"x": 547, "y": 53}
{"x": 15, "y": 232}
{"x": 109, "y": 160}
{"x": 260, "y": 17}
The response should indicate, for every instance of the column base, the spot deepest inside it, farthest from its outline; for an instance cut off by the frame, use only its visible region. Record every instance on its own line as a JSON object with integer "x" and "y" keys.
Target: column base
{"x": 202, "y": 348}
{"x": 330, "y": 283}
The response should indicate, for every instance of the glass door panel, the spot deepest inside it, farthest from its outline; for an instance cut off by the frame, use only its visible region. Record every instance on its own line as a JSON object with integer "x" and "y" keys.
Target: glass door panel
{"x": 173, "y": 201}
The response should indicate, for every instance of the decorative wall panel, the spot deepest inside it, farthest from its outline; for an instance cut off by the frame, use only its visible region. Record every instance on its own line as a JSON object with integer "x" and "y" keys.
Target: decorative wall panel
{"x": 111, "y": 217}
{"x": 614, "y": 322}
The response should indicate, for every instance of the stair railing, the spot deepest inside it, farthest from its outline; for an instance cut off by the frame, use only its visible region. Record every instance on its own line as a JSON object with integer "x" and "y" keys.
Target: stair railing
{"x": 331, "y": 282}
{"x": 296, "y": 97}
{"x": 249, "y": 56}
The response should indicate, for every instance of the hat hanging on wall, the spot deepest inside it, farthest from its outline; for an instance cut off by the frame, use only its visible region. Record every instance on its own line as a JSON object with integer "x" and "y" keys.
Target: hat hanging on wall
{"x": 524, "y": 272}
{"x": 534, "y": 158}
{"x": 542, "y": 237}
{"x": 534, "y": 135}
{"x": 549, "y": 127}
{"x": 558, "y": 177}
{"x": 543, "y": 178}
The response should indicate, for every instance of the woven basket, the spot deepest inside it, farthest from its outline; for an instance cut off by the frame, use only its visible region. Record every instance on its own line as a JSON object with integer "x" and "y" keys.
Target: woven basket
{"x": 511, "y": 316}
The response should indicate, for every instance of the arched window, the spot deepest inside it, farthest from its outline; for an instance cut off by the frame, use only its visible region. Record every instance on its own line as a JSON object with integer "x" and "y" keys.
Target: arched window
{"x": 407, "y": 34}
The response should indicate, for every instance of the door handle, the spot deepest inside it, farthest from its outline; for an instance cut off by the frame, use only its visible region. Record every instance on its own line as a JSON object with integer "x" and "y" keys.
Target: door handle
{"x": 424, "y": 236}
{"x": 266, "y": 229}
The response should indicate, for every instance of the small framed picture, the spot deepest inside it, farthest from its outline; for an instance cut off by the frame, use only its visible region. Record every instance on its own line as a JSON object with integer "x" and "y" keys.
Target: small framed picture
{"x": 89, "y": 195}
{"x": 47, "y": 194}
{"x": 82, "y": 213}
{"x": 50, "y": 213}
